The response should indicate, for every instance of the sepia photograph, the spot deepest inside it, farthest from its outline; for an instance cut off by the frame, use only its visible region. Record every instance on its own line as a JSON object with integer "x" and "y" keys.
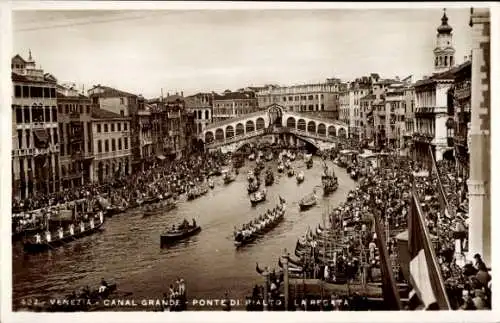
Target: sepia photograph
{"x": 250, "y": 160}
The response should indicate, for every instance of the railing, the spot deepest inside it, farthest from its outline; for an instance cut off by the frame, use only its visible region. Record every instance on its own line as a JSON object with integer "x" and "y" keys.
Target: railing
{"x": 228, "y": 141}
{"x": 74, "y": 115}
{"x": 81, "y": 155}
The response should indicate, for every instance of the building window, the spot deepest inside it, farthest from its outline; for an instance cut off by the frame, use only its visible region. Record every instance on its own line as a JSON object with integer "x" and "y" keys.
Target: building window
{"x": 119, "y": 126}
{"x": 122, "y": 101}
{"x": 112, "y": 127}
{"x": 125, "y": 126}
{"x": 88, "y": 109}
{"x": 99, "y": 146}
{"x": 105, "y": 127}
{"x": 284, "y": 99}
{"x": 113, "y": 144}
{"x": 17, "y": 91}
{"x": 20, "y": 139}
{"x": 106, "y": 145}
{"x": 26, "y": 92}
{"x": 119, "y": 143}
{"x": 98, "y": 128}
{"x": 122, "y": 113}
{"x": 126, "y": 142}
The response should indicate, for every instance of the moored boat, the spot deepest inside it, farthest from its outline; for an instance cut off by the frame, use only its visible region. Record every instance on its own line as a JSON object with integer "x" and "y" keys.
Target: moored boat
{"x": 181, "y": 232}
{"x": 258, "y": 197}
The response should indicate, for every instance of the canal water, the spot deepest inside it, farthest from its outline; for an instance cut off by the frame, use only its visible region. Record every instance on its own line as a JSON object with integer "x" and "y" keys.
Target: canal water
{"x": 128, "y": 250}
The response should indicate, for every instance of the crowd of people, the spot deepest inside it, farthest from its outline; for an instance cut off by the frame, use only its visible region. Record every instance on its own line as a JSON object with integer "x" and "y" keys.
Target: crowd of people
{"x": 168, "y": 178}
{"x": 384, "y": 193}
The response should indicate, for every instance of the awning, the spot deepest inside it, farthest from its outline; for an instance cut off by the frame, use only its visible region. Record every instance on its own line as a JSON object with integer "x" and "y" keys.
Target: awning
{"x": 41, "y": 135}
{"x": 161, "y": 157}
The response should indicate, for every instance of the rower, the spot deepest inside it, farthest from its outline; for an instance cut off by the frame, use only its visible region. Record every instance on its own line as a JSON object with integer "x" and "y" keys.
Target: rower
{"x": 101, "y": 216}
{"x": 82, "y": 226}
{"x": 104, "y": 286}
{"x": 91, "y": 223}
{"x": 48, "y": 236}
{"x": 38, "y": 238}
{"x": 61, "y": 232}
{"x": 194, "y": 223}
{"x": 71, "y": 229}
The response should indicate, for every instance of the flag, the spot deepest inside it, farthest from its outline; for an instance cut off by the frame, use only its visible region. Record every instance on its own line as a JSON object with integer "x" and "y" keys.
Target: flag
{"x": 443, "y": 202}
{"x": 389, "y": 288}
{"x": 425, "y": 276}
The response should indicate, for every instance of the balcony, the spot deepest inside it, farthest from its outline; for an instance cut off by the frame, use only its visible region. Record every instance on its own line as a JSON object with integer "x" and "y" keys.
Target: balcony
{"x": 423, "y": 137}
{"x": 74, "y": 116}
{"x": 81, "y": 156}
{"x": 460, "y": 140}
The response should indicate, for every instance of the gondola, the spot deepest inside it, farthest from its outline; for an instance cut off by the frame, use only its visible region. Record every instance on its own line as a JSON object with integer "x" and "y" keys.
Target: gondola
{"x": 253, "y": 187}
{"x": 308, "y": 201}
{"x": 241, "y": 239}
{"x": 163, "y": 208}
{"x": 354, "y": 174}
{"x": 258, "y": 197}
{"x": 229, "y": 177}
{"x": 172, "y": 236}
{"x": 300, "y": 177}
{"x": 196, "y": 192}
{"x": 269, "y": 178}
{"x": 309, "y": 163}
{"x": 113, "y": 210}
{"x": 281, "y": 168}
{"x": 31, "y": 246}
{"x": 211, "y": 183}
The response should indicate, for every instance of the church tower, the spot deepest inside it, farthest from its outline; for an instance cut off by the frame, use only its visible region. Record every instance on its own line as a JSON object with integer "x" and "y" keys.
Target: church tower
{"x": 444, "y": 53}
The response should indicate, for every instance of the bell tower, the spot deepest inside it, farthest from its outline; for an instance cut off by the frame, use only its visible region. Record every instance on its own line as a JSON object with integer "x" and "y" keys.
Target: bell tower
{"x": 444, "y": 53}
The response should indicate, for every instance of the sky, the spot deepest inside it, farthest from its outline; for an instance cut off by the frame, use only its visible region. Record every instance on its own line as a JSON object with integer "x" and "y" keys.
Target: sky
{"x": 212, "y": 50}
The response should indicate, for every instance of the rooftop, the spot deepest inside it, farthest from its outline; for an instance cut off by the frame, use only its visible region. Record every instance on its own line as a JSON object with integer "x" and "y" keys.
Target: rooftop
{"x": 108, "y": 92}
{"x": 235, "y": 96}
{"x": 105, "y": 114}
{"x": 446, "y": 75}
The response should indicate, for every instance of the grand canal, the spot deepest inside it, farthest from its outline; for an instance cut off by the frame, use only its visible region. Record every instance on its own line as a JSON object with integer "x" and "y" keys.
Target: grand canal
{"x": 128, "y": 250}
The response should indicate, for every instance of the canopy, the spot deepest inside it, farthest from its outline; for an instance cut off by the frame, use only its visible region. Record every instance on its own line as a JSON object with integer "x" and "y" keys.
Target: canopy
{"x": 42, "y": 135}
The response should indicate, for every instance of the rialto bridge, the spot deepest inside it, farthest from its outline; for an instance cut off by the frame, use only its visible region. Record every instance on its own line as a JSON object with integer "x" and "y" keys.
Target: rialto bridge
{"x": 276, "y": 123}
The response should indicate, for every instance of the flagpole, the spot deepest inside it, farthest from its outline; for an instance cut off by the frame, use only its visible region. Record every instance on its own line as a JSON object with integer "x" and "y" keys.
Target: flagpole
{"x": 430, "y": 247}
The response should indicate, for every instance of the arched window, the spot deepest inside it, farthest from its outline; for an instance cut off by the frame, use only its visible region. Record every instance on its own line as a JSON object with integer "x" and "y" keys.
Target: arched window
{"x": 446, "y": 61}
{"x": 207, "y": 114}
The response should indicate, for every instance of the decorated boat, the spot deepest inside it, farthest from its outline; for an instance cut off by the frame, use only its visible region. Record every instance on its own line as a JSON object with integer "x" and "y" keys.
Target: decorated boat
{"x": 160, "y": 207}
{"x": 53, "y": 240}
{"x": 300, "y": 177}
{"x": 269, "y": 180}
{"x": 182, "y": 231}
{"x": 329, "y": 181}
{"x": 197, "y": 191}
{"x": 262, "y": 224}
{"x": 258, "y": 197}
{"x": 308, "y": 201}
{"x": 253, "y": 186}
{"x": 228, "y": 176}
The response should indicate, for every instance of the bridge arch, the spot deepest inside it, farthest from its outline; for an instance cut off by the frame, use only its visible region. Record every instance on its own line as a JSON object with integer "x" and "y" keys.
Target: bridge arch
{"x": 260, "y": 123}
{"x": 311, "y": 126}
{"x": 250, "y": 126}
{"x": 332, "y": 132}
{"x": 209, "y": 137}
{"x": 240, "y": 129}
{"x": 322, "y": 129}
{"x": 342, "y": 133}
{"x": 229, "y": 132}
{"x": 290, "y": 123}
{"x": 219, "y": 134}
{"x": 301, "y": 125}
